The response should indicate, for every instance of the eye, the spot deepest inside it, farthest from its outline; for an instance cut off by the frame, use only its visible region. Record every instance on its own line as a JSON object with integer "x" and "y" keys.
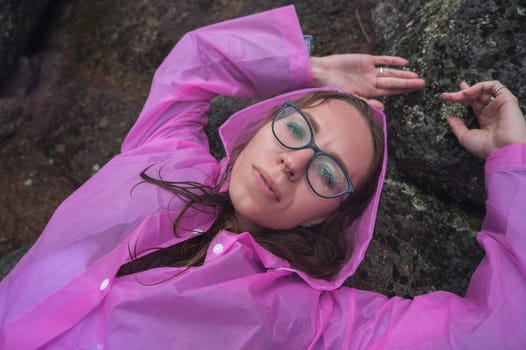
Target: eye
{"x": 326, "y": 175}
{"x": 296, "y": 130}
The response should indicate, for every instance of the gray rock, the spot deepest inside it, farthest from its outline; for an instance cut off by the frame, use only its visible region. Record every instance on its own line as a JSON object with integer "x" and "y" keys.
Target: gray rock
{"x": 421, "y": 244}
{"x": 448, "y": 41}
{"x": 221, "y": 108}
{"x": 12, "y": 116}
{"x": 17, "y": 19}
{"x": 9, "y": 261}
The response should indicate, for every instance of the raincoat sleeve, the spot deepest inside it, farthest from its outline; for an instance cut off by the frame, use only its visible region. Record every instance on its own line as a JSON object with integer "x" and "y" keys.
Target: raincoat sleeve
{"x": 254, "y": 56}
{"x": 492, "y": 315}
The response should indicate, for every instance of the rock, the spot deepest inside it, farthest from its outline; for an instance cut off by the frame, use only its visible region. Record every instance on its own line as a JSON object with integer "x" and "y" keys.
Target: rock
{"x": 12, "y": 116}
{"x": 17, "y": 19}
{"x": 9, "y": 261}
{"x": 221, "y": 108}
{"x": 421, "y": 244}
{"x": 447, "y": 41}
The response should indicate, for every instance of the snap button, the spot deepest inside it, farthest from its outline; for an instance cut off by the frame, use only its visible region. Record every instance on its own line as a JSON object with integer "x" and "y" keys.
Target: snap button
{"x": 218, "y": 248}
{"x": 198, "y": 231}
{"x": 104, "y": 284}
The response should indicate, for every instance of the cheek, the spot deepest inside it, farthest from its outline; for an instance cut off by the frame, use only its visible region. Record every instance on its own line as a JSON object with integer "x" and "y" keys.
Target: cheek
{"x": 327, "y": 207}
{"x": 238, "y": 174}
{"x": 312, "y": 206}
{"x": 242, "y": 158}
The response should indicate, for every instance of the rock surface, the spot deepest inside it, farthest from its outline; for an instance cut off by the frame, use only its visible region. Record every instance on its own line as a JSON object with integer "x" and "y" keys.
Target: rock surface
{"x": 71, "y": 102}
{"x": 448, "y": 41}
{"x": 18, "y": 18}
{"x": 432, "y": 204}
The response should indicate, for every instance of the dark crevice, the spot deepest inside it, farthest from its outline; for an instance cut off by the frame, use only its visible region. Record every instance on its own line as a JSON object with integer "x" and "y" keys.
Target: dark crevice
{"x": 41, "y": 34}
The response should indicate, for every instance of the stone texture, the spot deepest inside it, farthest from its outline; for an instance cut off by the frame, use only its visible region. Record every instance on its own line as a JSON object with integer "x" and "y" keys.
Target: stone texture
{"x": 448, "y": 41}
{"x": 11, "y": 117}
{"x": 17, "y": 19}
{"x": 421, "y": 244}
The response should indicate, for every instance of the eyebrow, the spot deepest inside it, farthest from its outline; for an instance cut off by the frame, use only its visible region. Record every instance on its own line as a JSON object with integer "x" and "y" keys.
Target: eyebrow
{"x": 312, "y": 121}
{"x": 316, "y": 128}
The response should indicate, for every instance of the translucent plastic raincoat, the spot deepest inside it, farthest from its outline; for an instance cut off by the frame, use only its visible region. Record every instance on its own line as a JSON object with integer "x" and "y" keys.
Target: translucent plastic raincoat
{"x": 64, "y": 294}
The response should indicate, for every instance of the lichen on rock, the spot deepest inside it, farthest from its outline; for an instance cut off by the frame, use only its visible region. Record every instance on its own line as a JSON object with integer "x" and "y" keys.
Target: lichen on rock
{"x": 447, "y": 42}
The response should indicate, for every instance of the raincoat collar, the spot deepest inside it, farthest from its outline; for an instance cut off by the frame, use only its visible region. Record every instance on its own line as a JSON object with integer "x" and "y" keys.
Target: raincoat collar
{"x": 240, "y": 127}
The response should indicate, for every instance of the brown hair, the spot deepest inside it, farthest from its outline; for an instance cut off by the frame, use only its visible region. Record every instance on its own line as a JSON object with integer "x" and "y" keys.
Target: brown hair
{"x": 319, "y": 250}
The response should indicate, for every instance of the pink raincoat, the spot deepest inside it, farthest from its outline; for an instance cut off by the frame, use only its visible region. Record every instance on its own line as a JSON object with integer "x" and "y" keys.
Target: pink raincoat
{"x": 64, "y": 294}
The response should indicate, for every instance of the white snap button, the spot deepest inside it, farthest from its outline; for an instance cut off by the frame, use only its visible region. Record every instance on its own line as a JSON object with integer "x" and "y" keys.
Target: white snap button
{"x": 218, "y": 248}
{"x": 198, "y": 231}
{"x": 104, "y": 284}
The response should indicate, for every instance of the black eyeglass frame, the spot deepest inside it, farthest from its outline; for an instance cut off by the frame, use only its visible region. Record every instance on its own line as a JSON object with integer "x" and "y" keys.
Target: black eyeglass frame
{"x": 317, "y": 151}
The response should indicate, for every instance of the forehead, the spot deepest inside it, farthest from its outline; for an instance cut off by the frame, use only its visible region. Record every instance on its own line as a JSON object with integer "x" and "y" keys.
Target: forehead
{"x": 342, "y": 131}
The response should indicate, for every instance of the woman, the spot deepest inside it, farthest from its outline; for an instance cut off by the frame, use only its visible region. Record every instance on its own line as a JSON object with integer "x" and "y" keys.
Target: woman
{"x": 294, "y": 163}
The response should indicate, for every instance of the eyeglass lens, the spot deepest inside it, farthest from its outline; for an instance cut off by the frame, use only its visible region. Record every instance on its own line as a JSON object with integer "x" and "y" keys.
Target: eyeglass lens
{"x": 325, "y": 175}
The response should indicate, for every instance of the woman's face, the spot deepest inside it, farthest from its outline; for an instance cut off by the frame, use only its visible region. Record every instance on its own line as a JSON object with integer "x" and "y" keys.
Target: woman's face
{"x": 268, "y": 183}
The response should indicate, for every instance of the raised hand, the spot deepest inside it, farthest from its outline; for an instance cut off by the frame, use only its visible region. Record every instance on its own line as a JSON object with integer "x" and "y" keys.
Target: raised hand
{"x": 500, "y": 118}
{"x": 365, "y": 75}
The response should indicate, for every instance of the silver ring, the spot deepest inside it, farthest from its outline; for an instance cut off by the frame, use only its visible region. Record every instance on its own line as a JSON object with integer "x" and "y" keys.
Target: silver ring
{"x": 497, "y": 88}
{"x": 381, "y": 71}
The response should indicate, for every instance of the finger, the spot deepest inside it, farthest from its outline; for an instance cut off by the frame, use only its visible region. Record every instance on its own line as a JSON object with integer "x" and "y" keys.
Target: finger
{"x": 399, "y": 84}
{"x": 376, "y": 104}
{"x": 484, "y": 93}
{"x": 390, "y": 60}
{"x": 397, "y": 73}
{"x": 503, "y": 94}
{"x": 486, "y": 99}
{"x": 486, "y": 87}
{"x": 464, "y": 85}
{"x": 448, "y": 96}
{"x": 458, "y": 127}
{"x": 477, "y": 106}
{"x": 472, "y": 139}
{"x": 457, "y": 96}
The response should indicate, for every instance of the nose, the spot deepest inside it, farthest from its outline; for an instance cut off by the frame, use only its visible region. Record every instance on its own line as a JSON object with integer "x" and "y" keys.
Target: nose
{"x": 294, "y": 163}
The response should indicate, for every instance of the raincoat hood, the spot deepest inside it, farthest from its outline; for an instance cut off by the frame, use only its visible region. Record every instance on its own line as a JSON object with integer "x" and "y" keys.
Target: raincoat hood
{"x": 241, "y": 126}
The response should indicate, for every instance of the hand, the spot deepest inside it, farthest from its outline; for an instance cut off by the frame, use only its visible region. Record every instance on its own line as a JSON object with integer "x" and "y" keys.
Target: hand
{"x": 500, "y": 118}
{"x": 359, "y": 75}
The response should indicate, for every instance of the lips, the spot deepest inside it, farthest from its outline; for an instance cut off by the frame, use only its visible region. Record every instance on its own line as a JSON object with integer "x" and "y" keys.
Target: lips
{"x": 266, "y": 184}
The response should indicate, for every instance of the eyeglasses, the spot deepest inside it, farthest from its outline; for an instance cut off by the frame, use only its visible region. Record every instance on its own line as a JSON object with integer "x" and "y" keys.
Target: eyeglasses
{"x": 325, "y": 174}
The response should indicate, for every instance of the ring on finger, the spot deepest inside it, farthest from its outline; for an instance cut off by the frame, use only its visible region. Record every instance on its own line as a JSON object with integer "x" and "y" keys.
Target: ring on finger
{"x": 380, "y": 71}
{"x": 497, "y": 88}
